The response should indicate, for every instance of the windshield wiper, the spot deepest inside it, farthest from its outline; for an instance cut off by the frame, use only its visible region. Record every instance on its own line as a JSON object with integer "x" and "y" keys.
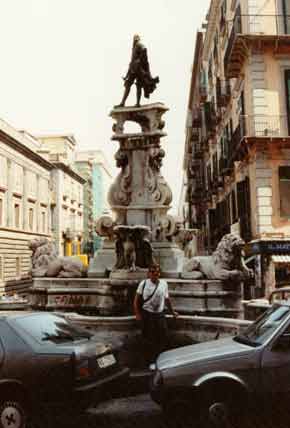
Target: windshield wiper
{"x": 57, "y": 337}
{"x": 243, "y": 338}
{"x": 66, "y": 336}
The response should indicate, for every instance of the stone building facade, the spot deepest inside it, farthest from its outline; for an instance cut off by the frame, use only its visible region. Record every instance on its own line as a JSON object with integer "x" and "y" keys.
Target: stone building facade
{"x": 237, "y": 148}
{"x": 93, "y": 166}
{"x": 67, "y": 198}
{"x": 24, "y": 204}
{"x": 83, "y": 165}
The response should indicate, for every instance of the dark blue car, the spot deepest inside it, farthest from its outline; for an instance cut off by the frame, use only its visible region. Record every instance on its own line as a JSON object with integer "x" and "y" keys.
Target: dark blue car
{"x": 49, "y": 366}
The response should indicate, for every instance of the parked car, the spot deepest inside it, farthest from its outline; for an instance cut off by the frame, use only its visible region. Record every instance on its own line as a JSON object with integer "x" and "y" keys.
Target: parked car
{"x": 215, "y": 381}
{"x": 46, "y": 363}
{"x": 281, "y": 294}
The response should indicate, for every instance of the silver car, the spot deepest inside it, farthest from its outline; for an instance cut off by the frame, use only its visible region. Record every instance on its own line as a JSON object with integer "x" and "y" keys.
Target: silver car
{"x": 215, "y": 381}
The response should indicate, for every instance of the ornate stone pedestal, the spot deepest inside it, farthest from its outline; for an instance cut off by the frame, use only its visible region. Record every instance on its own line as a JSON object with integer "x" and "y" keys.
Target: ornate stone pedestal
{"x": 140, "y": 196}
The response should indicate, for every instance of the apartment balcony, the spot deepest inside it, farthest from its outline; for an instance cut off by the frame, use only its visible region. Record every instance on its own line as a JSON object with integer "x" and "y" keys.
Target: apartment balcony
{"x": 196, "y": 117}
{"x": 256, "y": 31}
{"x": 194, "y": 134}
{"x": 223, "y": 88}
{"x": 257, "y": 129}
{"x": 224, "y": 166}
{"x": 198, "y": 150}
{"x": 203, "y": 92}
{"x": 211, "y": 118}
{"x": 266, "y": 126}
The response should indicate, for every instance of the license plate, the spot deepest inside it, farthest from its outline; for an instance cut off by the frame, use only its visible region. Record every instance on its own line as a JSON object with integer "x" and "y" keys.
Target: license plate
{"x": 107, "y": 360}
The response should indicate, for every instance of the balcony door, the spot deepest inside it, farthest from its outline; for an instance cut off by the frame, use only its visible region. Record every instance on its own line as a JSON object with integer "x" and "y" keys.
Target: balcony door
{"x": 287, "y": 85}
{"x": 286, "y": 15}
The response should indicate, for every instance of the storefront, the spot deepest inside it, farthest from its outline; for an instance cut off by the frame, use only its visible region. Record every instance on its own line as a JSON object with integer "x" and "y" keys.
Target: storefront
{"x": 271, "y": 262}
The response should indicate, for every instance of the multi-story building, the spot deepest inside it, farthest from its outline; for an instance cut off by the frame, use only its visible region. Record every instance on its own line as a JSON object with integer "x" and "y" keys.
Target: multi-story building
{"x": 67, "y": 197}
{"x": 24, "y": 204}
{"x": 93, "y": 166}
{"x": 84, "y": 166}
{"x": 237, "y": 150}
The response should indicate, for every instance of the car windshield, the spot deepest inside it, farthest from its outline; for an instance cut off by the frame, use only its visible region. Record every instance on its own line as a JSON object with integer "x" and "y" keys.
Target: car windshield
{"x": 258, "y": 332}
{"x": 48, "y": 327}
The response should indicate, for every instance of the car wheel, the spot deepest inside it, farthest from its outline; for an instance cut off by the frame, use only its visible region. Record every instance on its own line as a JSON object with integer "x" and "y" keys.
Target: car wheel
{"x": 12, "y": 415}
{"x": 220, "y": 411}
{"x": 178, "y": 413}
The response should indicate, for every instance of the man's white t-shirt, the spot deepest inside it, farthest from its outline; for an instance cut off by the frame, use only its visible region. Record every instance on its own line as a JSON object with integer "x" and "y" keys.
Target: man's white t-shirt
{"x": 157, "y": 302}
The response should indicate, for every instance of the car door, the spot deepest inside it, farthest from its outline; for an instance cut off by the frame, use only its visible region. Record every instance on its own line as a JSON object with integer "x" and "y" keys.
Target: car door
{"x": 275, "y": 363}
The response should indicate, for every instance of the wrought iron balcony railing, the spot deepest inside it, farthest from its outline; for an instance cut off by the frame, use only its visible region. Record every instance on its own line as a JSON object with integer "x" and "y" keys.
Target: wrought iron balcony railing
{"x": 196, "y": 117}
{"x": 223, "y": 89}
{"x": 265, "y": 125}
{"x": 259, "y": 25}
{"x": 256, "y": 26}
{"x": 257, "y": 126}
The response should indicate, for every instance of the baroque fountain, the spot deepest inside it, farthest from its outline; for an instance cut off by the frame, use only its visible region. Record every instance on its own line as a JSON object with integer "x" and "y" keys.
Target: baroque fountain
{"x": 139, "y": 232}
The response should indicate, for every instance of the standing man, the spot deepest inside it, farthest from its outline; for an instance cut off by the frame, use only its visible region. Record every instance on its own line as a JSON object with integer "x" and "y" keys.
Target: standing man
{"x": 139, "y": 72}
{"x": 149, "y": 304}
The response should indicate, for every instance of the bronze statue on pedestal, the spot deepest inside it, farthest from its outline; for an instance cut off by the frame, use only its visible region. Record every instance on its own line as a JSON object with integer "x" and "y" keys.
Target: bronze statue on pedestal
{"x": 139, "y": 72}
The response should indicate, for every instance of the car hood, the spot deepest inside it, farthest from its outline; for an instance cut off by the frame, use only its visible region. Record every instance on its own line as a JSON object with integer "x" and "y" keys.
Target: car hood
{"x": 202, "y": 352}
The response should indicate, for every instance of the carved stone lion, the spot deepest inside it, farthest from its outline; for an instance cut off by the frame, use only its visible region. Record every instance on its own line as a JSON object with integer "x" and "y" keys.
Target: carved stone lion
{"x": 45, "y": 261}
{"x": 226, "y": 263}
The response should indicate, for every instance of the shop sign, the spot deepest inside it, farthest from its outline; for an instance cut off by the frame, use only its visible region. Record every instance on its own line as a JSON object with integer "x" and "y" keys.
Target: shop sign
{"x": 269, "y": 247}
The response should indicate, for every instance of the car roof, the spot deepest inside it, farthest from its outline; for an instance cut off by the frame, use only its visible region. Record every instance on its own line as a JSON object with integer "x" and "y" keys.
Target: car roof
{"x": 19, "y": 313}
{"x": 285, "y": 299}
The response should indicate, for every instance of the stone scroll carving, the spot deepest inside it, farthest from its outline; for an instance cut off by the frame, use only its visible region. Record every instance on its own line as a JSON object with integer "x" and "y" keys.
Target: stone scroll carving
{"x": 120, "y": 191}
{"x": 165, "y": 228}
{"x": 105, "y": 227}
{"x": 46, "y": 262}
{"x": 154, "y": 181}
{"x": 226, "y": 263}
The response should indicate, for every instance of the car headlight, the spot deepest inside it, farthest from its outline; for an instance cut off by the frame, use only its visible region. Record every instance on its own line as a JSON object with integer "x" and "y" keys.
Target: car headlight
{"x": 158, "y": 378}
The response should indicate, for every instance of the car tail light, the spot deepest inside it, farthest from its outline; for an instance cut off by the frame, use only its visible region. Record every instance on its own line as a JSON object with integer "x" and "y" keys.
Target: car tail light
{"x": 82, "y": 369}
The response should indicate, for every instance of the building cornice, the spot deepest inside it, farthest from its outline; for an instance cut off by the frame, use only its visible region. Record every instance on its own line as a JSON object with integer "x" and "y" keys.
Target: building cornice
{"x": 195, "y": 66}
{"x": 211, "y": 26}
{"x": 24, "y": 150}
{"x": 69, "y": 171}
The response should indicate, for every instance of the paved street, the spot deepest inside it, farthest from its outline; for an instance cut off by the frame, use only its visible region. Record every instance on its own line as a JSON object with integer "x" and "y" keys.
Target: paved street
{"x": 139, "y": 411}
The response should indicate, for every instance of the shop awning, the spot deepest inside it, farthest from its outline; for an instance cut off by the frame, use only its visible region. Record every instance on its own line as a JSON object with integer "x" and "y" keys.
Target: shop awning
{"x": 281, "y": 258}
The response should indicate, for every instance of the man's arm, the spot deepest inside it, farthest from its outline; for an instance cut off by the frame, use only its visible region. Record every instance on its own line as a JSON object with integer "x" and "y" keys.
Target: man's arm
{"x": 170, "y": 307}
{"x": 137, "y": 306}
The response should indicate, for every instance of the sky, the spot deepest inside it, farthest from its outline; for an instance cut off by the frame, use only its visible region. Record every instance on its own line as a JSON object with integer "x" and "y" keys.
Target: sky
{"x": 62, "y": 62}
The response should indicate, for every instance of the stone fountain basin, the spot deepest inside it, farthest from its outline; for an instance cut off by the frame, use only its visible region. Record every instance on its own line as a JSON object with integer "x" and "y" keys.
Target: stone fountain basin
{"x": 112, "y": 297}
{"x": 124, "y": 333}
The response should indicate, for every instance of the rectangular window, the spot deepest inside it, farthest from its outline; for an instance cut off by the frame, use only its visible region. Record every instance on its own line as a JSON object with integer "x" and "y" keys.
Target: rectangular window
{"x": 234, "y": 209}
{"x": 43, "y": 222}
{"x": 17, "y": 216}
{"x": 1, "y": 211}
{"x": 30, "y": 218}
{"x": 284, "y": 190}
{"x": 286, "y": 15}
{"x": 244, "y": 208}
{"x": 1, "y": 268}
{"x": 287, "y": 85}
{"x": 18, "y": 267}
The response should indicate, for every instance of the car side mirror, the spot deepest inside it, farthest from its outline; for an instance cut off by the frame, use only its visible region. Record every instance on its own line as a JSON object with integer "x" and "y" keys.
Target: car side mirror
{"x": 283, "y": 341}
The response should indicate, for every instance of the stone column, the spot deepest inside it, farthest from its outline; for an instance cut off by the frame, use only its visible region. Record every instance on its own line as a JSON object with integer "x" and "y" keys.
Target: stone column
{"x": 269, "y": 275}
{"x": 25, "y": 215}
{"x": 10, "y": 183}
{"x": 37, "y": 205}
